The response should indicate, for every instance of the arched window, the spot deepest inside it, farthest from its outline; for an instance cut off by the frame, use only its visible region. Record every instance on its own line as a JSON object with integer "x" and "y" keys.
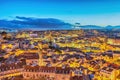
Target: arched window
{"x": 27, "y": 75}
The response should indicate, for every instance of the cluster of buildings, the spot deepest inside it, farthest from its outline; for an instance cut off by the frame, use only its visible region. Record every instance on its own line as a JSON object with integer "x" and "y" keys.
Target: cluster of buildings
{"x": 60, "y": 55}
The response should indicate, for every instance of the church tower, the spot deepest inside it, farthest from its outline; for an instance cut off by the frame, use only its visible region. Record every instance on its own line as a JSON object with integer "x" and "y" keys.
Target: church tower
{"x": 40, "y": 62}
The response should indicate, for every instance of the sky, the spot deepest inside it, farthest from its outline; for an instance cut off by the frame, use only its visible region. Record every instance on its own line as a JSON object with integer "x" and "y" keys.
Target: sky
{"x": 86, "y": 12}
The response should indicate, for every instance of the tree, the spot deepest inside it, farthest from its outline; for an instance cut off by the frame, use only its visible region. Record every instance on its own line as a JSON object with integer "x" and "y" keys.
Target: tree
{"x": 4, "y": 34}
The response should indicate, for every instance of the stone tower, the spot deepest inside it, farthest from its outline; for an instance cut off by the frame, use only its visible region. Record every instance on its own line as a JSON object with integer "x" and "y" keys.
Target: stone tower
{"x": 40, "y": 62}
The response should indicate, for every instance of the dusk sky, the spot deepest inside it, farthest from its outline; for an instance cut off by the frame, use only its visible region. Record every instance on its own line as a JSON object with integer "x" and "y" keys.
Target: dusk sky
{"x": 87, "y": 12}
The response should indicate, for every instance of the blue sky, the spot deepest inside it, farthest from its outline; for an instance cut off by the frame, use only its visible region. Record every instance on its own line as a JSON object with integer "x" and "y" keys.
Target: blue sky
{"x": 94, "y": 12}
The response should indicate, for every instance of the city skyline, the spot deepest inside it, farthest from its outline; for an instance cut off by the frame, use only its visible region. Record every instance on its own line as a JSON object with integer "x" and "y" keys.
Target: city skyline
{"x": 86, "y": 12}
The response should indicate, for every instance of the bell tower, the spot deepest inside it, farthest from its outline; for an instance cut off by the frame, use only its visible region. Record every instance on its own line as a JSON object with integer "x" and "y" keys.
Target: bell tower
{"x": 40, "y": 61}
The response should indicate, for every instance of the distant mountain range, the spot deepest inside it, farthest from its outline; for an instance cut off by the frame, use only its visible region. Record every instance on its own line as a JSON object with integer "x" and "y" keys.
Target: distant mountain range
{"x": 34, "y": 23}
{"x": 109, "y": 27}
{"x": 46, "y": 24}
